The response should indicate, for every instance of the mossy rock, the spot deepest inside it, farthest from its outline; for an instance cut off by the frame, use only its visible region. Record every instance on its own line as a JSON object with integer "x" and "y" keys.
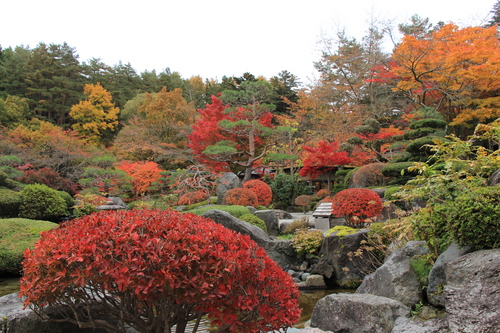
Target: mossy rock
{"x": 341, "y": 230}
{"x": 234, "y": 210}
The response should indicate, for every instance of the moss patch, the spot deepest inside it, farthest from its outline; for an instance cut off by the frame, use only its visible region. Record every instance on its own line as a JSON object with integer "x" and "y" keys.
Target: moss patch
{"x": 341, "y": 230}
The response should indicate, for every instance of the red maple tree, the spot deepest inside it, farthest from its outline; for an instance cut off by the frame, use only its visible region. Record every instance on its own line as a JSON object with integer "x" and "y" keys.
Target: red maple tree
{"x": 359, "y": 206}
{"x": 322, "y": 159}
{"x": 154, "y": 269}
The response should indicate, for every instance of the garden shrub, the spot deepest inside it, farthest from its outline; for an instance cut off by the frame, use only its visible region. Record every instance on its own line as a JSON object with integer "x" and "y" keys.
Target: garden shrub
{"x": 10, "y": 201}
{"x": 40, "y": 202}
{"x": 428, "y": 122}
{"x": 86, "y": 203}
{"x": 323, "y": 193}
{"x": 192, "y": 197}
{"x": 241, "y": 197}
{"x": 49, "y": 177}
{"x": 68, "y": 199}
{"x": 234, "y": 210}
{"x": 359, "y": 206}
{"x": 473, "y": 218}
{"x": 282, "y": 186}
{"x": 420, "y": 146}
{"x": 348, "y": 176}
{"x": 299, "y": 224}
{"x": 369, "y": 175}
{"x": 419, "y": 133}
{"x": 304, "y": 201}
{"x": 307, "y": 242}
{"x": 341, "y": 230}
{"x": 254, "y": 220}
{"x": 17, "y": 235}
{"x": 262, "y": 190}
{"x": 397, "y": 170}
{"x": 390, "y": 191}
{"x": 152, "y": 268}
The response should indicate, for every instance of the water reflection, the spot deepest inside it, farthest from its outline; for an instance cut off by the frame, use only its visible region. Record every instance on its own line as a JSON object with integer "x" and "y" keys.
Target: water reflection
{"x": 8, "y": 285}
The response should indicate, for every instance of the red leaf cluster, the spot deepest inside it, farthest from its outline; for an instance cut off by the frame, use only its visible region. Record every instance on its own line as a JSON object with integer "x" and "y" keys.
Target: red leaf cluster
{"x": 152, "y": 268}
{"x": 323, "y": 158}
{"x": 303, "y": 200}
{"x": 242, "y": 197}
{"x": 190, "y": 198}
{"x": 49, "y": 177}
{"x": 323, "y": 193}
{"x": 262, "y": 190}
{"x": 143, "y": 174}
{"x": 360, "y": 206}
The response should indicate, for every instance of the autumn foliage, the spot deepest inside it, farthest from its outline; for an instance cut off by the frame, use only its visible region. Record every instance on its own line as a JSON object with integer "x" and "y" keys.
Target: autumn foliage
{"x": 154, "y": 269}
{"x": 360, "y": 206}
{"x": 322, "y": 158}
{"x": 193, "y": 197}
{"x": 143, "y": 175}
{"x": 262, "y": 190}
{"x": 242, "y": 197}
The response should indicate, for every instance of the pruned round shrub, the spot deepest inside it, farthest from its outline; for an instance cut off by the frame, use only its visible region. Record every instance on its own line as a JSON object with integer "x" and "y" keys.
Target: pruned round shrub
{"x": 190, "y": 198}
{"x": 419, "y": 133}
{"x": 390, "y": 191}
{"x": 262, "y": 190}
{"x": 323, "y": 193}
{"x": 234, "y": 210}
{"x": 10, "y": 201}
{"x": 304, "y": 201}
{"x": 369, "y": 175}
{"x": 421, "y": 146}
{"x": 40, "y": 202}
{"x": 254, "y": 220}
{"x": 241, "y": 197}
{"x": 17, "y": 235}
{"x": 359, "y": 206}
{"x": 429, "y": 122}
{"x": 152, "y": 268}
{"x": 396, "y": 170}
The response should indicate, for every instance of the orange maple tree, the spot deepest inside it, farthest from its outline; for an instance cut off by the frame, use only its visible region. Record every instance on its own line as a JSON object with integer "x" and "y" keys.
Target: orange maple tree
{"x": 142, "y": 173}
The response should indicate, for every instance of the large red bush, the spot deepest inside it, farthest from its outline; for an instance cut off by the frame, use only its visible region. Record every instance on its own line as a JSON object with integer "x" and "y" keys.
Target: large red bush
{"x": 360, "y": 206}
{"x": 190, "y": 198}
{"x": 262, "y": 190}
{"x": 241, "y": 196}
{"x": 155, "y": 269}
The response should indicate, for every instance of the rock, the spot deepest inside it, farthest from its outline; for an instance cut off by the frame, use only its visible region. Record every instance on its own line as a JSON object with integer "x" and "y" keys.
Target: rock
{"x": 227, "y": 181}
{"x": 26, "y": 321}
{"x": 406, "y": 325}
{"x": 396, "y": 278}
{"x": 252, "y": 209}
{"x": 437, "y": 277}
{"x": 336, "y": 264}
{"x": 313, "y": 330}
{"x": 472, "y": 292}
{"x": 270, "y": 217}
{"x": 283, "y": 214}
{"x": 113, "y": 203}
{"x": 388, "y": 212}
{"x": 494, "y": 179}
{"x": 280, "y": 251}
{"x": 313, "y": 281}
{"x": 356, "y": 313}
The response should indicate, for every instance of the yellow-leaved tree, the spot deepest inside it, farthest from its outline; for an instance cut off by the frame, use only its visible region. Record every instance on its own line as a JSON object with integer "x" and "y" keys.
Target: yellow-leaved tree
{"x": 96, "y": 117}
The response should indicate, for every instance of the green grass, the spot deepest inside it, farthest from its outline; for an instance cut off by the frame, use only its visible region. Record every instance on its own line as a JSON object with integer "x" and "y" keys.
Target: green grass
{"x": 16, "y": 235}
{"x": 234, "y": 210}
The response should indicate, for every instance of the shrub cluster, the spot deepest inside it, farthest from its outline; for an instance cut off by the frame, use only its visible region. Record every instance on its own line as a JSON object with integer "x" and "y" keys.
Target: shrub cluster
{"x": 323, "y": 193}
{"x": 307, "y": 241}
{"x": 304, "y": 201}
{"x": 40, "y": 202}
{"x": 234, "y": 210}
{"x": 152, "y": 268}
{"x": 10, "y": 201}
{"x": 300, "y": 224}
{"x": 262, "y": 190}
{"x": 360, "y": 206}
{"x": 241, "y": 197}
{"x": 190, "y": 198}
{"x": 254, "y": 220}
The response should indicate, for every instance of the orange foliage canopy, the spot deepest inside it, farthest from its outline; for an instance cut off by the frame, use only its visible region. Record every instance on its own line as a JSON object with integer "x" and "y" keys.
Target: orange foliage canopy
{"x": 451, "y": 69}
{"x": 262, "y": 190}
{"x": 143, "y": 175}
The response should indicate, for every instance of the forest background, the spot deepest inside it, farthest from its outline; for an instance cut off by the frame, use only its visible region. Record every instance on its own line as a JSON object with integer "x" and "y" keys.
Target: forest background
{"x": 88, "y": 126}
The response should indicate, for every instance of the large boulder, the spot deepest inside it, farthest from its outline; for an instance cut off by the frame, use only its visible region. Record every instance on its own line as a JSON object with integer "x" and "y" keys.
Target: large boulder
{"x": 472, "y": 292}
{"x": 280, "y": 251}
{"x": 407, "y": 325}
{"x": 227, "y": 181}
{"x": 337, "y": 265}
{"x": 356, "y": 313}
{"x": 437, "y": 277}
{"x": 271, "y": 218}
{"x": 396, "y": 278}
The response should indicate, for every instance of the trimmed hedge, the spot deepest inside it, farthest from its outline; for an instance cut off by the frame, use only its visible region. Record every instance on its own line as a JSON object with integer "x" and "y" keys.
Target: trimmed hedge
{"x": 40, "y": 202}
{"x": 234, "y": 210}
{"x": 10, "y": 201}
{"x": 17, "y": 235}
{"x": 395, "y": 170}
{"x": 254, "y": 220}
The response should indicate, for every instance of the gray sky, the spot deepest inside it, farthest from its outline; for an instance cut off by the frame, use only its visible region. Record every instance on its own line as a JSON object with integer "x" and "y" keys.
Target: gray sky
{"x": 213, "y": 38}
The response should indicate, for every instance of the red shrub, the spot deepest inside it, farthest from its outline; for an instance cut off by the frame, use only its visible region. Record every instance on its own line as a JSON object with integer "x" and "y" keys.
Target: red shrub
{"x": 303, "y": 200}
{"x": 50, "y": 177}
{"x": 242, "y": 197}
{"x": 152, "y": 268}
{"x": 190, "y": 198}
{"x": 262, "y": 190}
{"x": 360, "y": 206}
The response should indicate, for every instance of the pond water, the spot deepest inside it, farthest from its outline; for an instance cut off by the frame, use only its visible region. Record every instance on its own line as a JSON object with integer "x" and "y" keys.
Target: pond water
{"x": 308, "y": 299}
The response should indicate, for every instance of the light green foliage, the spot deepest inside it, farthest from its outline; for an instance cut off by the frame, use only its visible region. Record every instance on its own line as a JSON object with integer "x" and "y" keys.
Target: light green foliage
{"x": 41, "y": 202}
{"x": 300, "y": 224}
{"x": 390, "y": 191}
{"x": 252, "y": 219}
{"x": 307, "y": 242}
{"x": 341, "y": 230}
{"x": 460, "y": 168}
{"x": 348, "y": 176}
{"x": 234, "y": 210}
{"x": 16, "y": 235}
{"x": 422, "y": 266}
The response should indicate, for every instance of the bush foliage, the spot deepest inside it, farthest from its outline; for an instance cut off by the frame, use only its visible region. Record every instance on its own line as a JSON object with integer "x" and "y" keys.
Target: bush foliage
{"x": 307, "y": 241}
{"x": 254, "y": 220}
{"x": 241, "y": 197}
{"x": 262, "y": 190}
{"x": 359, "y": 206}
{"x": 152, "y": 268}
{"x": 10, "y": 201}
{"x": 40, "y": 202}
{"x": 234, "y": 210}
{"x": 190, "y": 198}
